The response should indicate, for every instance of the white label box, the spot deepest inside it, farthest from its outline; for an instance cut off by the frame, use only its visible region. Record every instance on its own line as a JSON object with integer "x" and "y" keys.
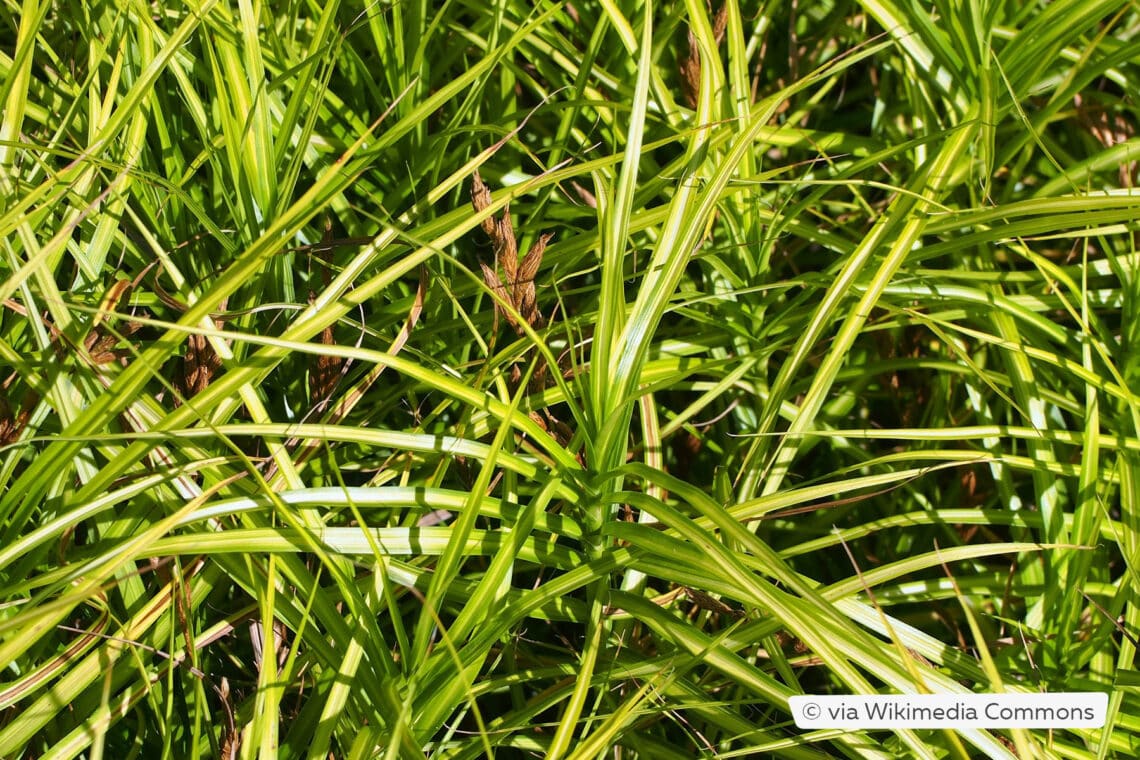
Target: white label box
{"x": 1059, "y": 710}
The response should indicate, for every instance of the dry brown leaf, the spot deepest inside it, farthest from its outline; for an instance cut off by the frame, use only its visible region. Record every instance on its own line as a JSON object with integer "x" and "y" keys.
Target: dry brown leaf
{"x": 232, "y": 742}
{"x": 586, "y": 196}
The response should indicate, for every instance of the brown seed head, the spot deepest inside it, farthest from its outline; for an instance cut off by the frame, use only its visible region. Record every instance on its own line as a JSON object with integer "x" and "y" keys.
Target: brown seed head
{"x": 506, "y": 247}
{"x": 481, "y": 199}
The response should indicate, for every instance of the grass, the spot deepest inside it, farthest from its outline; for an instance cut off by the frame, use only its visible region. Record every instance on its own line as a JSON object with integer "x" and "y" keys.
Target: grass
{"x": 571, "y": 380}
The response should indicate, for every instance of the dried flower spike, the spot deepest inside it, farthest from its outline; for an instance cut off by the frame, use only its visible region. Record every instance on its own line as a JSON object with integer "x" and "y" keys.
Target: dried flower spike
{"x": 481, "y": 199}
{"x": 516, "y": 286}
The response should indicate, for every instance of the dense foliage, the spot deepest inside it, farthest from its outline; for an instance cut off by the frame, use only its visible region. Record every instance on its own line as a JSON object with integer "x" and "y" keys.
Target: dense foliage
{"x": 465, "y": 379}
